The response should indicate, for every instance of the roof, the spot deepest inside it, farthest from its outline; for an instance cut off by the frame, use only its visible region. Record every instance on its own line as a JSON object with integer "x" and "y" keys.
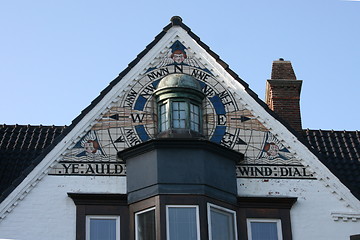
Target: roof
{"x": 23, "y": 147}
{"x": 20, "y": 149}
{"x": 339, "y": 151}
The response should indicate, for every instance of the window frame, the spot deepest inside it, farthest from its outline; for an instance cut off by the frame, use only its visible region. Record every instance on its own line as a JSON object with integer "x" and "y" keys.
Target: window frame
{"x": 268, "y": 208}
{"x": 112, "y": 217}
{"x": 183, "y": 206}
{"x": 168, "y": 123}
{"x": 266, "y": 220}
{"x": 194, "y": 117}
{"x": 100, "y": 204}
{"x": 221, "y": 209}
{"x": 176, "y": 113}
{"x": 164, "y": 121}
{"x": 136, "y": 220}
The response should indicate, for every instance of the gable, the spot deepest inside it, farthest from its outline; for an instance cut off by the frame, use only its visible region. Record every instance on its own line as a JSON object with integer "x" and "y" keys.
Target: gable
{"x": 131, "y": 117}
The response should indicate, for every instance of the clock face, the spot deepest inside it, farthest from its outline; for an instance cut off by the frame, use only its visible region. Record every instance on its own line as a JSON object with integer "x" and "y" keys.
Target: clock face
{"x": 132, "y": 119}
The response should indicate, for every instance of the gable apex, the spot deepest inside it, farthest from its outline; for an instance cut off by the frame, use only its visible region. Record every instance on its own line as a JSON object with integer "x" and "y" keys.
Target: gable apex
{"x": 176, "y": 21}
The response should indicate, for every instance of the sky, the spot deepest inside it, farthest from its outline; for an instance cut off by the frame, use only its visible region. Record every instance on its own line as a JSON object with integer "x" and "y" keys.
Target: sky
{"x": 57, "y": 56}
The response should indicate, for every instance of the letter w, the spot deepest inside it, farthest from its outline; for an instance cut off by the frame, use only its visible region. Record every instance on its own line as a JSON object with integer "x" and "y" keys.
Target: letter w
{"x": 137, "y": 118}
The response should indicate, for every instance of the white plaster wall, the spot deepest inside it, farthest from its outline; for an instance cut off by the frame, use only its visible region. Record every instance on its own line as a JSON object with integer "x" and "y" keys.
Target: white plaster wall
{"x": 311, "y": 215}
{"x": 48, "y": 213}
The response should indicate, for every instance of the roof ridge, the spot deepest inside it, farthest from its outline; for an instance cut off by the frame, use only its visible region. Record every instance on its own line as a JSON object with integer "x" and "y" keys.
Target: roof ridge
{"x": 330, "y": 130}
{"x": 30, "y": 125}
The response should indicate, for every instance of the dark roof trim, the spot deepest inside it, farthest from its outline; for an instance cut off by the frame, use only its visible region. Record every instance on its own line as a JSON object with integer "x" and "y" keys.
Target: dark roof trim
{"x": 188, "y": 143}
{"x": 96, "y": 199}
{"x": 266, "y": 202}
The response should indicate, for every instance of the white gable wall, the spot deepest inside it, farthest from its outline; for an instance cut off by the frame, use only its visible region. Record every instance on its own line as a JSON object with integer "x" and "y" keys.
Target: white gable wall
{"x": 48, "y": 213}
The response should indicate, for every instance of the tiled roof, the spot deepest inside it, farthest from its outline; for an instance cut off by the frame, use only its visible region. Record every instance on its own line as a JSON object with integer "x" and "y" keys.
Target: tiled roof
{"x": 21, "y": 147}
{"x": 340, "y": 152}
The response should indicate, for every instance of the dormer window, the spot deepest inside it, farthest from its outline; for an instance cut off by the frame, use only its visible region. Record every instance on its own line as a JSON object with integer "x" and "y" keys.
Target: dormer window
{"x": 179, "y": 99}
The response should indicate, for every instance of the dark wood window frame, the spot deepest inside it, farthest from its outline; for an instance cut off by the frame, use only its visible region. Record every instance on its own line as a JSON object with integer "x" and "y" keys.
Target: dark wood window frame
{"x": 265, "y": 207}
{"x": 116, "y": 205}
{"x": 161, "y": 201}
{"x": 100, "y": 204}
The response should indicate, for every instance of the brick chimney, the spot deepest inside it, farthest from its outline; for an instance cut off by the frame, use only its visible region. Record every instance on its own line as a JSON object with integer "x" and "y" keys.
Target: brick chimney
{"x": 283, "y": 93}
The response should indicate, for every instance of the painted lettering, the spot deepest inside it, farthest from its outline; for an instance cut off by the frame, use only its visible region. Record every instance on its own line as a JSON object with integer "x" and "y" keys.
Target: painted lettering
{"x": 99, "y": 168}
{"x": 178, "y": 68}
{"x": 221, "y": 119}
{"x": 225, "y": 98}
{"x": 273, "y": 171}
{"x": 255, "y": 171}
{"x": 227, "y": 139}
{"x": 66, "y": 168}
{"x": 137, "y": 117}
{"x": 244, "y": 171}
{"x": 89, "y": 169}
{"x": 200, "y": 75}
{"x": 296, "y": 173}
{"x": 284, "y": 172}
{"x": 130, "y": 98}
{"x": 305, "y": 173}
{"x": 157, "y": 74}
{"x": 208, "y": 91}
{"x": 131, "y": 137}
{"x": 148, "y": 91}
{"x": 118, "y": 169}
{"x": 75, "y": 168}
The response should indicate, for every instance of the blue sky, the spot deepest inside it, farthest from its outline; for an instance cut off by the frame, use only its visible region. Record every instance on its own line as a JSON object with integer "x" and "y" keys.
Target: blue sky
{"x": 57, "y": 56}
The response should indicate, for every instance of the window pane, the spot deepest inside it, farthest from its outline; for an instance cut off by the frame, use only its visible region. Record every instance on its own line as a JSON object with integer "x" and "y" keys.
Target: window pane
{"x": 102, "y": 229}
{"x": 182, "y": 115}
{"x": 264, "y": 230}
{"x": 145, "y": 228}
{"x": 182, "y": 124}
{"x": 179, "y": 114}
{"x": 182, "y": 105}
{"x": 222, "y": 225}
{"x": 164, "y": 123}
{"x": 182, "y": 223}
{"x": 175, "y": 105}
{"x": 194, "y": 117}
